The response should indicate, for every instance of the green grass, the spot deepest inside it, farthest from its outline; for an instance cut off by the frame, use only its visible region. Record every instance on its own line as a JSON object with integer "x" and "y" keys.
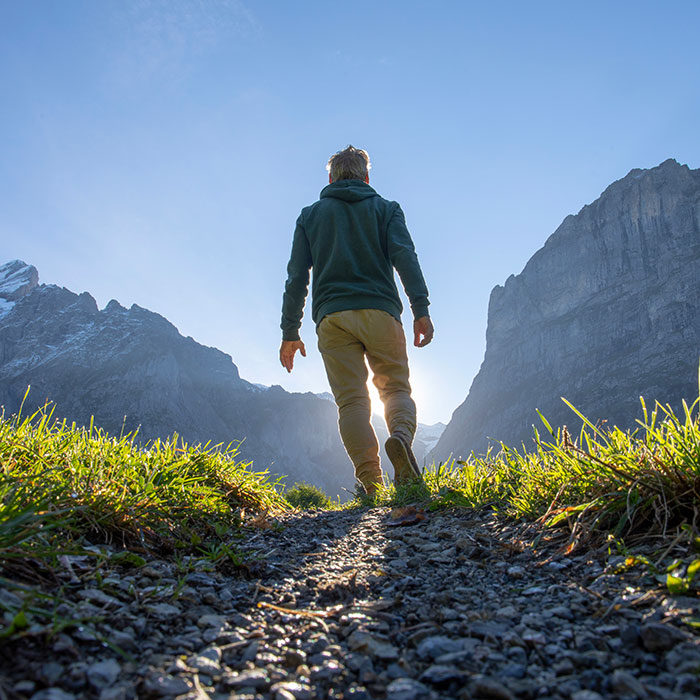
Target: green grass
{"x": 306, "y": 496}
{"x": 67, "y": 490}
{"x": 62, "y": 485}
{"x": 640, "y": 483}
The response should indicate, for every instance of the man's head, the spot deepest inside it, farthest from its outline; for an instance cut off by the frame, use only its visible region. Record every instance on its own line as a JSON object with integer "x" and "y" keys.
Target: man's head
{"x": 349, "y": 164}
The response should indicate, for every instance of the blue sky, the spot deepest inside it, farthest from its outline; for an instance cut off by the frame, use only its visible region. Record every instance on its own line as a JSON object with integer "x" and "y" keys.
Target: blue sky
{"x": 158, "y": 152}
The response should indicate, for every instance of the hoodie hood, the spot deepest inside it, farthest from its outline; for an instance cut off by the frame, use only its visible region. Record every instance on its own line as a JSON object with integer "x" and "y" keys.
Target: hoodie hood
{"x": 348, "y": 190}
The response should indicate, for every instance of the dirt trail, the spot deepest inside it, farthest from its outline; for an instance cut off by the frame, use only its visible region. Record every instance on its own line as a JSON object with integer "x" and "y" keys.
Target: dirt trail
{"x": 343, "y": 605}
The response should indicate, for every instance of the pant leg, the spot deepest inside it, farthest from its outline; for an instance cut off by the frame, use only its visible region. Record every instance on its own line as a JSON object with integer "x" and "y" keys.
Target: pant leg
{"x": 344, "y": 358}
{"x": 385, "y": 347}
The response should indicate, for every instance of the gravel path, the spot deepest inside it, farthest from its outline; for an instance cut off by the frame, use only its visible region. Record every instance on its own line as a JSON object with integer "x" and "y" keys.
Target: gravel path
{"x": 344, "y": 605}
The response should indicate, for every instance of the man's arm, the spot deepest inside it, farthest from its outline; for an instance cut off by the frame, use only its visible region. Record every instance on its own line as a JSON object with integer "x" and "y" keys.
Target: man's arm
{"x": 402, "y": 255}
{"x": 295, "y": 291}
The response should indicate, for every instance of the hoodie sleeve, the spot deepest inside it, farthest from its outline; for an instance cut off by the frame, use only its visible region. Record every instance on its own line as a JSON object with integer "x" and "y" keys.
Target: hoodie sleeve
{"x": 402, "y": 255}
{"x": 297, "y": 284}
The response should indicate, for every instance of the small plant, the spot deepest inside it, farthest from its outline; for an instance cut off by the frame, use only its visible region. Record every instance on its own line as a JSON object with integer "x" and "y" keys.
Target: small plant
{"x": 305, "y": 496}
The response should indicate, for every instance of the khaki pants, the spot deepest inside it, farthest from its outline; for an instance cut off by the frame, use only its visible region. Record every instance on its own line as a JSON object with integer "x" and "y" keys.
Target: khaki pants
{"x": 345, "y": 339}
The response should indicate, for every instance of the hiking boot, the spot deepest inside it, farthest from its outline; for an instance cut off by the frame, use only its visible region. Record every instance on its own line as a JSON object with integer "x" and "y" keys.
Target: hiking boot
{"x": 401, "y": 456}
{"x": 371, "y": 491}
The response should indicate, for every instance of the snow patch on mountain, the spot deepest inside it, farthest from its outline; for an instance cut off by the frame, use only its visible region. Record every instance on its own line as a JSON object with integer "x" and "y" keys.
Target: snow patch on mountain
{"x": 5, "y": 307}
{"x": 17, "y": 279}
{"x": 430, "y": 434}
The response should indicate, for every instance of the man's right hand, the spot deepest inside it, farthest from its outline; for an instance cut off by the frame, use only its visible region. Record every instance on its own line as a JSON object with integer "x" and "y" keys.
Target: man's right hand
{"x": 422, "y": 326}
{"x": 287, "y": 352}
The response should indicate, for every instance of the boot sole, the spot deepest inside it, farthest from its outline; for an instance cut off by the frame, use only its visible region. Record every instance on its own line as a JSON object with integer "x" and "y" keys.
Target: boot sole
{"x": 404, "y": 469}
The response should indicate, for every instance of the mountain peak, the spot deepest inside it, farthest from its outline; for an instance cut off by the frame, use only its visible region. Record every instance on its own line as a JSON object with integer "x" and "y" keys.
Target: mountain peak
{"x": 17, "y": 279}
{"x": 669, "y": 168}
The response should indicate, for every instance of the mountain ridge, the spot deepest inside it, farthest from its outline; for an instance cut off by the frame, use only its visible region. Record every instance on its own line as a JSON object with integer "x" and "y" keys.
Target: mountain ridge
{"x": 600, "y": 314}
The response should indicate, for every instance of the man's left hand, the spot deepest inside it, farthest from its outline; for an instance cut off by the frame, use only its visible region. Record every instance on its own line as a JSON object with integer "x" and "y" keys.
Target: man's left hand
{"x": 287, "y": 352}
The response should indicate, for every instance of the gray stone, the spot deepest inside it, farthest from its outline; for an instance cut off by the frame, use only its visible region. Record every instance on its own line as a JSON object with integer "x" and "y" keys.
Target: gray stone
{"x": 507, "y": 611}
{"x": 657, "y": 636}
{"x": 64, "y": 643}
{"x": 513, "y": 671}
{"x": 624, "y": 683}
{"x": 95, "y": 595}
{"x": 217, "y": 621}
{"x": 329, "y": 670}
{"x": 294, "y": 657}
{"x": 297, "y": 691}
{"x": 103, "y": 673}
{"x": 50, "y": 672}
{"x": 688, "y": 683}
{"x": 319, "y": 644}
{"x": 534, "y": 638}
{"x": 162, "y": 684}
{"x": 407, "y": 689}
{"x": 25, "y": 687}
{"x": 357, "y": 693}
{"x": 124, "y": 639}
{"x": 534, "y": 590}
{"x": 53, "y": 694}
{"x": 629, "y": 635}
{"x": 432, "y": 647}
{"x": 199, "y": 578}
{"x": 362, "y": 641}
{"x": 488, "y": 630}
{"x": 119, "y": 692}
{"x": 163, "y": 611}
{"x": 492, "y": 689}
{"x": 283, "y": 694}
{"x": 561, "y": 611}
{"x": 207, "y": 661}
{"x": 441, "y": 676}
{"x": 568, "y": 686}
{"x": 251, "y": 651}
{"x": 683, "y": 658}
{"x": 256, "y": 678}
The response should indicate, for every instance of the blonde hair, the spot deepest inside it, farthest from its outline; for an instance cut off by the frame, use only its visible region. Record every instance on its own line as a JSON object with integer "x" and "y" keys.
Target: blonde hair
{"x": 349, "y": 164}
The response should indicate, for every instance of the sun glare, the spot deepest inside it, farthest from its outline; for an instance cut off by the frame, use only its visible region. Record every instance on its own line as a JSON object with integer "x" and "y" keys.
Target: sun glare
{"x": 377, "y": 405}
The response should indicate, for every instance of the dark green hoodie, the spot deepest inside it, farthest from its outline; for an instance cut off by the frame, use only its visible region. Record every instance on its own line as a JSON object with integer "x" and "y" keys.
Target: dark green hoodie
{"x": 353, "y": 239}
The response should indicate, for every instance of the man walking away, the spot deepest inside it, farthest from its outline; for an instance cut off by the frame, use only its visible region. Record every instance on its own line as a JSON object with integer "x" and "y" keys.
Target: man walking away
{"x": 354, "y": 239}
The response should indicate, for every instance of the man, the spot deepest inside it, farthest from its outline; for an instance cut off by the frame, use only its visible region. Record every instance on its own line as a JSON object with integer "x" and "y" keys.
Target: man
{"x": 354, "y": 239}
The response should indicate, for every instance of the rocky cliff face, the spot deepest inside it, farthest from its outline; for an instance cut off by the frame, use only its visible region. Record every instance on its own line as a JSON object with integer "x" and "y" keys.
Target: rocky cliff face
{"x": 130, "y": 368}
{"x": 607, "y": 311}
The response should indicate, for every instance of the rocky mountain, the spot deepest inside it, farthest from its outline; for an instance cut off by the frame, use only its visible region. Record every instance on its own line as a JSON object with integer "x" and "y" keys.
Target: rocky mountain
{"x": 607, "y": 311}
{"x": 132, "y": 369}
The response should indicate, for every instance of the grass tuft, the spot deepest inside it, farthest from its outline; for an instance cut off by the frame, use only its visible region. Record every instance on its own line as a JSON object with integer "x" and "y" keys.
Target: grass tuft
{"x": 306, "y": 496}
{"x": 61, "y": 485}
{"x": 641, "y": 483}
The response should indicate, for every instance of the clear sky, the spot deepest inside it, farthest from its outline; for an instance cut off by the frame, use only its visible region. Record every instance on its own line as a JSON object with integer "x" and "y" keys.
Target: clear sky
{"x": 159, "y": 151}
